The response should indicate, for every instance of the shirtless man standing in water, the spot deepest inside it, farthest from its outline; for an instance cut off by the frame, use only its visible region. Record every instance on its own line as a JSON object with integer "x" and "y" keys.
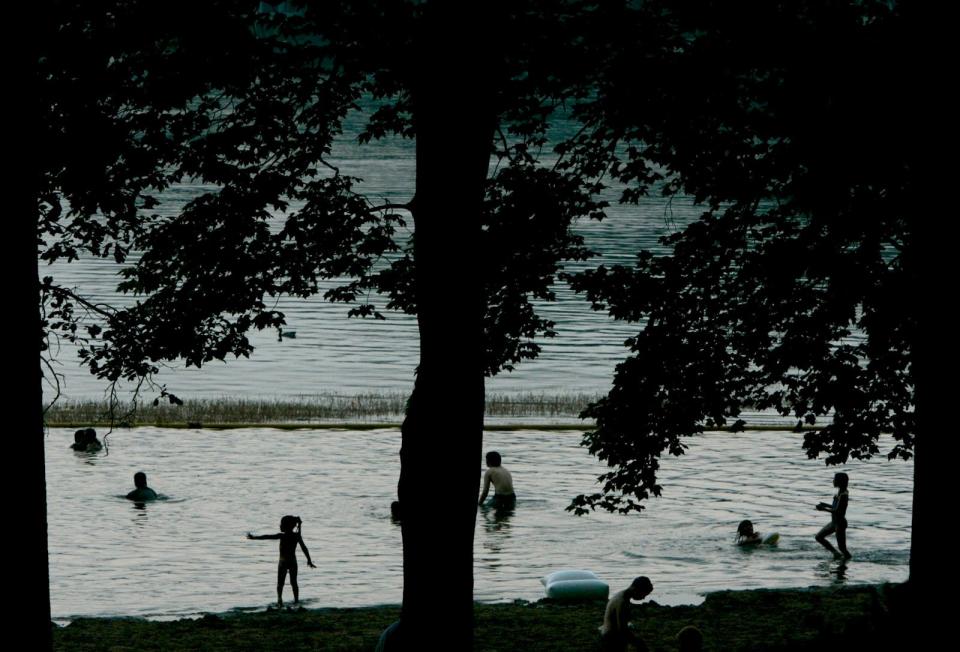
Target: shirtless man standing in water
{"x": 503, "y": 496}
{"x": 615, "y": 632}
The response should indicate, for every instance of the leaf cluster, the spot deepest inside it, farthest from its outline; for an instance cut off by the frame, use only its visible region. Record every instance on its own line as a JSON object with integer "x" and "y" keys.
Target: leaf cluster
{"x": 794, "y": 290}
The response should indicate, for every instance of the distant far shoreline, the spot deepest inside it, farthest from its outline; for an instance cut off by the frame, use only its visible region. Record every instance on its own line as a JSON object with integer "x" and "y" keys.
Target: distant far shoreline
{"x": 836, "y": 618}
{"x": 354, "y": 412}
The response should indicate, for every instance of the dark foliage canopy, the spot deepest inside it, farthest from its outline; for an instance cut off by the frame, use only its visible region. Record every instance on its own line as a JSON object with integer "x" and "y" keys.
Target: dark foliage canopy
{"x": 794, "y": 290}
{"x": 139, "y": 98}
{"x": 787, "y": 294}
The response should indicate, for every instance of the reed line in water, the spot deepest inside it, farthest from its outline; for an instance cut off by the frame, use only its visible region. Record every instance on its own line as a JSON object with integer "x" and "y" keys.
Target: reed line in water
{"x": 355, "y": 412}
{"x": 306, "y": 409}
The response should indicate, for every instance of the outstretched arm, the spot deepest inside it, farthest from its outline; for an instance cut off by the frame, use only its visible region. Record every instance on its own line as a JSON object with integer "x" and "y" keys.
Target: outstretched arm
{"x": 306, "y": 552}
{"x": 263, "y": 536}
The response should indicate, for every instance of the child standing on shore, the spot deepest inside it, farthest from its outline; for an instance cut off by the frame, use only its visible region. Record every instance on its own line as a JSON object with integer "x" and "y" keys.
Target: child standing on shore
{"x": 838, "y": 520}
{"x": 289, "y": 538}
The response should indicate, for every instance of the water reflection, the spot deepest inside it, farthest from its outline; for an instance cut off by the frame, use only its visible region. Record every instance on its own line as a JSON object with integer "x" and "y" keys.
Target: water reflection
{"x": 833, "y": 570}
{"x": 497, "y": 519}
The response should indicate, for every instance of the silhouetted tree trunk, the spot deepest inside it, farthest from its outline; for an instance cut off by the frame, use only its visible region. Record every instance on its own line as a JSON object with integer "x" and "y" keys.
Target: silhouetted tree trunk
{"x": 30, "y": 610}
{"x": 443, "y": 429}
{"x": 929, "y": 119}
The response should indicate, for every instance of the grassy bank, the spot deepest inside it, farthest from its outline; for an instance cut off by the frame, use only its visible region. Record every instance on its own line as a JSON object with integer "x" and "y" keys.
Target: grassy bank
{"x": 848, "y": 618}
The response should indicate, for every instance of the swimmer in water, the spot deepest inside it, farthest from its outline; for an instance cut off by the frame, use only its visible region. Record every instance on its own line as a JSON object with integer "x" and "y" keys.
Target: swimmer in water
{"x": 746, "y": 535}
{"x": 142, "y": 492}
{"x": 288, "y": 554}
{"x": 503, "y": 496}
{"x": 85, "y": 440}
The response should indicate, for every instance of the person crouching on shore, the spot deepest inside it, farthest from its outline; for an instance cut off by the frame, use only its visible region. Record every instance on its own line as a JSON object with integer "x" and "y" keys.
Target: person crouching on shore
{"x": 615, "y": 633}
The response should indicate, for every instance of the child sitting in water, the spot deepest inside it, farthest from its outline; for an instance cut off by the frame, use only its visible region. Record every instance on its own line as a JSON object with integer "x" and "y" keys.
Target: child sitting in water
{"x": 746, "y": 534}
{"x": 288, "y": 554}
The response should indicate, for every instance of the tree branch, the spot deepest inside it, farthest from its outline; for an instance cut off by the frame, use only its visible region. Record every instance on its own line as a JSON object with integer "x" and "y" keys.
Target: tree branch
{"x": 95, "y": 307}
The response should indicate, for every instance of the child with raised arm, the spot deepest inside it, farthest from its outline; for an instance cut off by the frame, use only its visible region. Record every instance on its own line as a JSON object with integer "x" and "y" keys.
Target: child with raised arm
{"x": 838, "y": 518}
{"x": 288, "y": 554}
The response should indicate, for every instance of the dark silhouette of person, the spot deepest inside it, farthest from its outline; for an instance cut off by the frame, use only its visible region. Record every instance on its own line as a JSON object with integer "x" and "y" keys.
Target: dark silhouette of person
{"x": 496, "y": 474}
{"x": 289, "y": 538}
{"x": 615, "y": 633}
{"x": 746, "y": 534}
{"x": 690, "y": 639}
{"x": 838, "y": 518}
{"x": 85, "y": 440}
{"x": 390, "y": 638}
{"x": 142, "y": 492}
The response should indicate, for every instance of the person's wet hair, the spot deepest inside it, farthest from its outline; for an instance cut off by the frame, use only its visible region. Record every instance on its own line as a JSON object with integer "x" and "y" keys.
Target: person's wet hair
{"x": 79, "y": 436}
{"x": 842, "y": 479}
{"x": 493, "y": 458}
{"x": 642, "y": 583}
{"x": 744, "y": 527}
{"x": 140, "y": 479}
{"x": 288, "y": 522}
{"x": 90, "y": 434}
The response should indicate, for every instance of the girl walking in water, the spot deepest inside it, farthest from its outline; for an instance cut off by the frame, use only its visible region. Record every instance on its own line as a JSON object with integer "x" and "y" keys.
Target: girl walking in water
{"x": 289, "y": 538}
{"x": 838, "y": 520}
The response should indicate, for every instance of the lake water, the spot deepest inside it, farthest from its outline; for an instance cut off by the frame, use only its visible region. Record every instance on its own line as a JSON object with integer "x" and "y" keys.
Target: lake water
{"x": 187, "y": 554}
{"x": 336, "y": 355}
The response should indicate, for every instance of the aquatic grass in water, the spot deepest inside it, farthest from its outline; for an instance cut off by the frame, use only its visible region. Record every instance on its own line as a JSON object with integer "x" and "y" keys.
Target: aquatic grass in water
{"x": 317, "y": 408}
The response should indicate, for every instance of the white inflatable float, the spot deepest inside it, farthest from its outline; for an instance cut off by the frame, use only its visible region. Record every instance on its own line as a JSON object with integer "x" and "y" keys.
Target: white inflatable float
{"x": 575, "y": 585}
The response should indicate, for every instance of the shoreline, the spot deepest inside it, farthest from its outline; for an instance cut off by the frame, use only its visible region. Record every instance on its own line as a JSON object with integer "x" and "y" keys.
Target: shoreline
{"x": 844, "y": 617}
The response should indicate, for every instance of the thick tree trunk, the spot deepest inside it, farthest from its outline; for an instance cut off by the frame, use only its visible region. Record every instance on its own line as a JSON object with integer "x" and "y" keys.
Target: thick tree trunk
{"x": 928, "y": 121}
{"x": 443, "y": 431}
{"x": 31, "y": 576}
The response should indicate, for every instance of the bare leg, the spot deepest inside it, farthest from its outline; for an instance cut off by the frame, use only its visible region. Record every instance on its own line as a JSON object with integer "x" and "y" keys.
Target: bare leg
{"x": 293, "y": 583}
{"x": 842, "y": 542}
{"x": 822, "y": 538}
{"x": 281, "y": 578}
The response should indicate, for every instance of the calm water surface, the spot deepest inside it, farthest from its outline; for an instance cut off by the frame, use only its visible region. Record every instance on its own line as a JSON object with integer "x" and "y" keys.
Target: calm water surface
{"x": 187, "y": 554}
{"x": 334, "y": 354}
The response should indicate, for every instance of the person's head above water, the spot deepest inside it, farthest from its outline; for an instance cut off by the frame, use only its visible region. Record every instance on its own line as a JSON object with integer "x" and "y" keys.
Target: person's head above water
{"x": 140, "y": 479}
{"x": 80, "y": 437}
{"x": 493, "y": 458}
{"x": 745, "y": 528}
{"x": 639, "y": 588}
{"x": 287, "y": 523}
{"x": 841, "y": 480}
{"x": 90, "y": 435}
